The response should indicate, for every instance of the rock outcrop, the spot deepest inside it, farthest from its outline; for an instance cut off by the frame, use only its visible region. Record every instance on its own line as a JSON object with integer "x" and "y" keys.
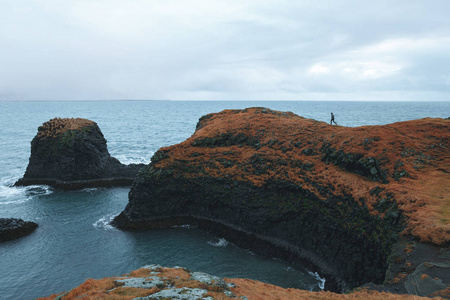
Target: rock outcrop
{"x": 72, "y": 154}
{"x": 156, "y": 282}
{"x": 11, "y": 228}
{"x": 337, "y": 199}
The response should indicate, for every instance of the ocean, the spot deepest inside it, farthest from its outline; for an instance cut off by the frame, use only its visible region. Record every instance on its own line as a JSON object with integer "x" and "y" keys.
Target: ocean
{"x": 74, "y": 240}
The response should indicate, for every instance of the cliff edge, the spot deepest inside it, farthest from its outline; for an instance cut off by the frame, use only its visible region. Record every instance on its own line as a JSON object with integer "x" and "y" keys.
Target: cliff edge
{"x": 335, "y": 197}
{"x": 156, "y": 282}
{"x": 71, "y": 154}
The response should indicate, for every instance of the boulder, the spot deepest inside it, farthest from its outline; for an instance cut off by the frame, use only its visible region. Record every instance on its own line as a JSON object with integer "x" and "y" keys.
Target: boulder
{"x": 11, "y": 228}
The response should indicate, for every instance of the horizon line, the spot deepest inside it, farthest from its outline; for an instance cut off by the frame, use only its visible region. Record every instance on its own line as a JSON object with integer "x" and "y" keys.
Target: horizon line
{"x": 211, "y": 100}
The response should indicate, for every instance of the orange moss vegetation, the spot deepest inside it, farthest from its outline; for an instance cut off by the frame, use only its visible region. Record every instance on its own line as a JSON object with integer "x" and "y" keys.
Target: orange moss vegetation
{"x": 57, "y": 126}
{"x": 108, "y": 288}
{"x": 255, "y": 290}
{"x": 257, "y": 145}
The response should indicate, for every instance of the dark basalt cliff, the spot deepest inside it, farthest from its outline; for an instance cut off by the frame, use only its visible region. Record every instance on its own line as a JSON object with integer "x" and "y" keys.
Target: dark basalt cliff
{"x": 72, "y": 154}
{"x": 12, "y": 228}
{"x": 336, "y": 198}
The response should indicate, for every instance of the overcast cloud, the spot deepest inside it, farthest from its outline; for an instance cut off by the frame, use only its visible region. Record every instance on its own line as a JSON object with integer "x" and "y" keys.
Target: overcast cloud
{"x": 233, "y": 49}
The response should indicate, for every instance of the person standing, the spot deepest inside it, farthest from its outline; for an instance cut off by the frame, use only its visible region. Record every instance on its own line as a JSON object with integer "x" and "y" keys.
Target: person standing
{"x": 332, "y": 120}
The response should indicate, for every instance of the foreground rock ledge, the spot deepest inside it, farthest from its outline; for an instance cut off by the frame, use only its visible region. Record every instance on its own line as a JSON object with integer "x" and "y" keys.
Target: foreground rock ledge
{"x": 72, "y": 154}
{"x": 12, "y": 228}
{"x": 156, "y": 282}
{"x": 334, "y": 198}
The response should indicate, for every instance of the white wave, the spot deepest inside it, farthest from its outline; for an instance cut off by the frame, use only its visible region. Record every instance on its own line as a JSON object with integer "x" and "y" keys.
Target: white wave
{"x": 127, "y": 159}
{"x": 318, "y": 278}
{"x": 10, "y": 194}
{"x": 219, "y": 243}
{"x": 18, "y": 201}
{"x": 37, "y": 190}
{"x": 9, "y": 191}
{"x": 105, "y": 222}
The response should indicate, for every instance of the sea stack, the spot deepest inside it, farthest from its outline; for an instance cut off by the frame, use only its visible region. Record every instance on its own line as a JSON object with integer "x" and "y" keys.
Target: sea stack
{"x": 356, "y": 204}
{"x": 72, "y": 154}
{"x": 12, "y": 228}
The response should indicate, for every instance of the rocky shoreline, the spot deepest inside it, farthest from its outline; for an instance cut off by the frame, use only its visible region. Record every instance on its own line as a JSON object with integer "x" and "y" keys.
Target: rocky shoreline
{"x": 366, "y": 207}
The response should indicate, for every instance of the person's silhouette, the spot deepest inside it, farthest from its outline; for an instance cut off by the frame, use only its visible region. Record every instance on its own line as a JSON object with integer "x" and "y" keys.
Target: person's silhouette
{"x": 332, "y": 120}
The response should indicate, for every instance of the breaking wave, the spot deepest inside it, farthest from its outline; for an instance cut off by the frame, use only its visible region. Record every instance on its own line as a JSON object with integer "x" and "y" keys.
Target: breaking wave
{"x": 105, "y": 222}
{"x": 219, "y": 243}
{"x": 321, "y": 281}
{"x": 133, "y": 158}
{"x": 10, "y": 194}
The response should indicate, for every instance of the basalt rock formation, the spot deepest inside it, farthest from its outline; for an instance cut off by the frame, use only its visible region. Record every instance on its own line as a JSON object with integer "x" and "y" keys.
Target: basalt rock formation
{"x": 337, "y": 199}
{"x": 12, "y": 228}
{"x": 72, "y": 154}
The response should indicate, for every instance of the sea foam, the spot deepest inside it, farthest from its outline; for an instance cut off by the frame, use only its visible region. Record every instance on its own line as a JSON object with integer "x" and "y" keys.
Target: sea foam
{"x": 10, "y": 194}
{"x": 219, "y": 243}
{"x": 320, "y": 279}
{"x": 105, "y": 222}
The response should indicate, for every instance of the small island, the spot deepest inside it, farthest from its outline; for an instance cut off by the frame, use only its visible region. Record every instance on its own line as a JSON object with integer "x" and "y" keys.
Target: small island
{"x": 71, "y": 153}
{"x": 12, "y": 228}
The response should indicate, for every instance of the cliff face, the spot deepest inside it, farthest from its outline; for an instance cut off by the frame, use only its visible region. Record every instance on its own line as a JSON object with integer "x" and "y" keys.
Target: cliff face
{"x": 72, "y": 153}
{"x": 282, "y": 184}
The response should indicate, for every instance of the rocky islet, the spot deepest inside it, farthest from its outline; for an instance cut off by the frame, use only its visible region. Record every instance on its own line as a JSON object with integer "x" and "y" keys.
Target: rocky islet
{"x": 71, "y": 153}
{"x": 13, "y": 228}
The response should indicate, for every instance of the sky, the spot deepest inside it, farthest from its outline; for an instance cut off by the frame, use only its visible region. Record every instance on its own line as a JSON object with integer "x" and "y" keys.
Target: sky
{"x": 225, "y": 50}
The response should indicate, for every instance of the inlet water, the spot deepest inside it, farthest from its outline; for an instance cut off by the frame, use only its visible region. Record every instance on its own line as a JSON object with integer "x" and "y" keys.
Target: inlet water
{"x": 74, "y": 240}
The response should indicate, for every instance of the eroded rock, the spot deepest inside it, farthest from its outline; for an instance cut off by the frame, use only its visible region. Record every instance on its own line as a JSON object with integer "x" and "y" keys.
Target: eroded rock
{"x": 72, "y": 154}
{"x": 12, "y": 228}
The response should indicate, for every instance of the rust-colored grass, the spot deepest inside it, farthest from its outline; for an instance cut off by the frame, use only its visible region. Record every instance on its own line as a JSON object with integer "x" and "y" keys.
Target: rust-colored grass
{"x": 255, "y": 290}
{"x": 418, "y": 150}
{"x": 58, "y": 126}
{"x": 106, "y": 288}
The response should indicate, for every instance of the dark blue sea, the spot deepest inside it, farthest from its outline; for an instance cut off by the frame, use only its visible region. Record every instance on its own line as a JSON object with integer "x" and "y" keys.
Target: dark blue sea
{"x": 74, "y": 240}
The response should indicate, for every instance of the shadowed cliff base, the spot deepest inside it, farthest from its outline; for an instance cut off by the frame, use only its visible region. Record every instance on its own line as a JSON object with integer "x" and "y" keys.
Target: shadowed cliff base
{"x": 338, "y": 197}
{"x": 72, "y": 154}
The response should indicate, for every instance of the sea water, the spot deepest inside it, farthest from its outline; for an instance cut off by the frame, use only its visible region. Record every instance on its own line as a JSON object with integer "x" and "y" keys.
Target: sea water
{"x": 75, "y": 241}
